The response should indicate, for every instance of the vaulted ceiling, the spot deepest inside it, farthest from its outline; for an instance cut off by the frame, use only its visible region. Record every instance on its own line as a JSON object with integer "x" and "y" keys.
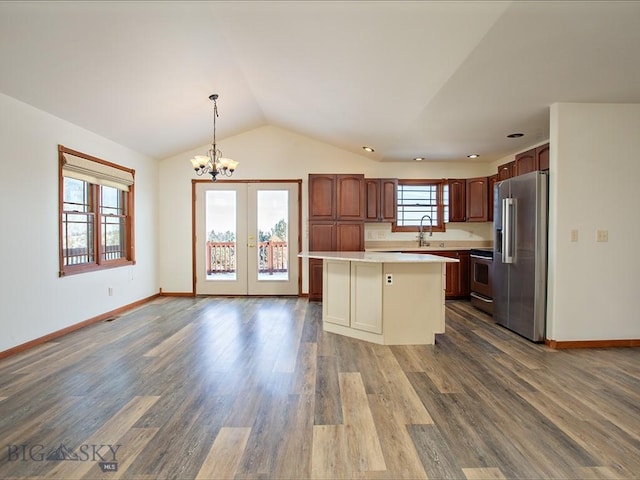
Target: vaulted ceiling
{"x": 433, "y": 79}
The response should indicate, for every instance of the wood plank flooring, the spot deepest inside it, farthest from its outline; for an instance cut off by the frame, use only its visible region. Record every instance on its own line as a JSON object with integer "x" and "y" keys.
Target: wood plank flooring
{"x": 252, "y": 388}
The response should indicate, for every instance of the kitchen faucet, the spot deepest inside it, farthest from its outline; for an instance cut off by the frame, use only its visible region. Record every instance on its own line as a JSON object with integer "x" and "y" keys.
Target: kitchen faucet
{"x": 421, "y": 242}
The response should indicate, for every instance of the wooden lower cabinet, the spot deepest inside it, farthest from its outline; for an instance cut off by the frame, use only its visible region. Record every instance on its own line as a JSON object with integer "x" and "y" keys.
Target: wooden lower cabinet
{"x": 457, "y": 274}
{"x": 315, "y": 280}
{"x": 331, "y": 237}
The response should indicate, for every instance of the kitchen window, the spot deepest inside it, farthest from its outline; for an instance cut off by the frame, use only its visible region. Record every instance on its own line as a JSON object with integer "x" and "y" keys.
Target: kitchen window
{"x": 96, "y": 201}
{"x": 417, "y": 198}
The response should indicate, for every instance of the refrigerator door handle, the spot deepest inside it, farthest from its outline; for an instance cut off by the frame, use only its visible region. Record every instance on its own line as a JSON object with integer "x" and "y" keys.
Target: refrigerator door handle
{"x": 507, "y": 233}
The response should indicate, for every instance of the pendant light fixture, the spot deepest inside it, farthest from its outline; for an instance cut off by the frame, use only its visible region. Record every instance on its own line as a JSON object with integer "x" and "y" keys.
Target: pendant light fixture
{"x": 213, "y": 162}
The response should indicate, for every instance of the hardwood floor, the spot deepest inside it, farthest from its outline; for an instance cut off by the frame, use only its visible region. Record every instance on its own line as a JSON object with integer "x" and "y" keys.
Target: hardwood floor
{"x": 246, "y": 388}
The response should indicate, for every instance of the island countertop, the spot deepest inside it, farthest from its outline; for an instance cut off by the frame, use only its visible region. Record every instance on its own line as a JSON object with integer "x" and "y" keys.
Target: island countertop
{"x": 379, "y": 257}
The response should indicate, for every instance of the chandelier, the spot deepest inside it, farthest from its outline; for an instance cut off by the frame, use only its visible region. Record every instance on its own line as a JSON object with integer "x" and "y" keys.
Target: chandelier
{"x": 213, "y": 162}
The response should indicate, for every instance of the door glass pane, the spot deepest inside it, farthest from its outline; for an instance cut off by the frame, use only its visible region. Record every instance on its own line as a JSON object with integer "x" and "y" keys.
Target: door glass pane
{"x": 273, "y": 235}
{"x": 220, "y": 225}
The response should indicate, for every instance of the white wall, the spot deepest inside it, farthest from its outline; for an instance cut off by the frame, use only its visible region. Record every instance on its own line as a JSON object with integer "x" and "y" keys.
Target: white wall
{"x": 594, "y": 182}
{"x": 273, "y": 153}
{"x": 34, "y": 301}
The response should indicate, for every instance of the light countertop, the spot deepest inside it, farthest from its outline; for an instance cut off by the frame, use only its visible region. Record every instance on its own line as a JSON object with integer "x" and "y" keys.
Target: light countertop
{"x": 379, "y": 257}
{"x": 435, "y": 246}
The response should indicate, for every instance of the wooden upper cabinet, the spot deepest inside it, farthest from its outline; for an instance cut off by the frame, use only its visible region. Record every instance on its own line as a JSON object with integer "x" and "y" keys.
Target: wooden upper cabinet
{"x": 457, "y": 199}
{"x": 477, "y": 199}
{"x": 336, "y": 219}
{"x": 493, "y": 179}
{"x": 372, "y": 187}
{"x": 381, "y": 199}
{"x": 350, "y": 197}
{"x": 322, "y": 197}
{"x": 526, "y": 162}
{"x": 506, "y": 171}
{"x": 336, "y": 197}
{"x": 542, "y": 156}
{"x": 389, "y": 199}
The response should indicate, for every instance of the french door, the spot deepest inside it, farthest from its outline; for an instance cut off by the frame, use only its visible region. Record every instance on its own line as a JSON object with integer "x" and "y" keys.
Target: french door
{"x": 246, "y": 238}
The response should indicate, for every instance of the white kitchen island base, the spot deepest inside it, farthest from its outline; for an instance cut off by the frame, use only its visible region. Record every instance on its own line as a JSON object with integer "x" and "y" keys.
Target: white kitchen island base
{"x": 384, "y": 298}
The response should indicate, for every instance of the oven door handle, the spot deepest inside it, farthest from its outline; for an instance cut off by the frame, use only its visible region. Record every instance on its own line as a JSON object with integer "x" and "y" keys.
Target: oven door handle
{"x": 481, "y": 257}
{"x": 481, "y": 297}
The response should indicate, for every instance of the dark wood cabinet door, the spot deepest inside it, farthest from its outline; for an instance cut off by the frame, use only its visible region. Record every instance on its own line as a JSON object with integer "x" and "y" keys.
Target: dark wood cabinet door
{"x": 542, "y": 154}
{"x": 457, "y": 281}
{"x": 463, "y": 286}
{"x": 388, "y": 199}
{"x": 493, "y": 179}
{"x": 322, "y": 236}
{"x": 451, "y": 281}
{"x": 457, "y": 200}
{"x": 349, "y": 236}
{"x": 372, "y": 188}
{"x": 381, "y": 199}
{"x": 526, "y": 162}
{"x": 350, "y": 200}
{"x": 506, "y": 171}
{"x": 477, "y": 199}
{"x": 315, "y": 279}
{"x": 322, "y": 197}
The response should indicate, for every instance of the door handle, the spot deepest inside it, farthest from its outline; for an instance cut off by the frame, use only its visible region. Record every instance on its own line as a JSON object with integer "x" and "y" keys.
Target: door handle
{"x": 507, "y": 233}
{"x": 251, "y": 245}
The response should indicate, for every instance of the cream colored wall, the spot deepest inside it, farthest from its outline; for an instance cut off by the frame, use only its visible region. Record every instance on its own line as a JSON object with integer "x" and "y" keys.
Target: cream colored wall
{"x": 273, "y": 153}
{"x": 594, "y": 182}
{"x": 34, "y": 301}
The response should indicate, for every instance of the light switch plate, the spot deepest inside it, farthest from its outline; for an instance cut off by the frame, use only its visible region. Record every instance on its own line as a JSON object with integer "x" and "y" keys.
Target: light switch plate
{"x": 574, "y": 235}
{"x": 602, "y": 235}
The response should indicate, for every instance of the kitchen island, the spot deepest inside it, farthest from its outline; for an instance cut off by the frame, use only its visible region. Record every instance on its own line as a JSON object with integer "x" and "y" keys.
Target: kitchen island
{"x": 384, "y": 298}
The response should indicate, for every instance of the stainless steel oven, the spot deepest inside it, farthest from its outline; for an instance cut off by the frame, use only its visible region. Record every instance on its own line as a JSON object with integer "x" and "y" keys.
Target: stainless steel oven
{"x": 481, "y": 279}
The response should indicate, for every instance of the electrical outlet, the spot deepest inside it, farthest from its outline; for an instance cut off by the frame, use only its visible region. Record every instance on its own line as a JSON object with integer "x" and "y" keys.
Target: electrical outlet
{"x": 389, "y": 279}
{"x": 602, "y": 235}
{"x": 110, "y": 290}
{"x": 574, "y": 235}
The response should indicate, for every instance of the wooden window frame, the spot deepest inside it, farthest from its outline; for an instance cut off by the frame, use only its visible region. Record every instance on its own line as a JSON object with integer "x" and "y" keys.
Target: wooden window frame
{"x": 440, "y": 226}
{"x": 94, "y": 210}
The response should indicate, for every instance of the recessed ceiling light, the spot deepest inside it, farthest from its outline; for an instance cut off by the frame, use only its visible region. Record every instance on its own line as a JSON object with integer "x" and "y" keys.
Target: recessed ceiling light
{"x": 515, "y": 135}
{"x": 419, "y": 159}
{"x": 473, "y": 155}
{"x": 368, "y": 149}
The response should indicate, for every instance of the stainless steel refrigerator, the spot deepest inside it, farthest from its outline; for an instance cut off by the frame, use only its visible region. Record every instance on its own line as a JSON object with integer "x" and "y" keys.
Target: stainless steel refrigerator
{"x": 520, "y": 254}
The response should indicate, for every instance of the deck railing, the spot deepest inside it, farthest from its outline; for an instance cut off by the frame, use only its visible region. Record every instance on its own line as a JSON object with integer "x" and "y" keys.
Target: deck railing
{"x": 221, "y": 257}
{"x": 79, "y": 255}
